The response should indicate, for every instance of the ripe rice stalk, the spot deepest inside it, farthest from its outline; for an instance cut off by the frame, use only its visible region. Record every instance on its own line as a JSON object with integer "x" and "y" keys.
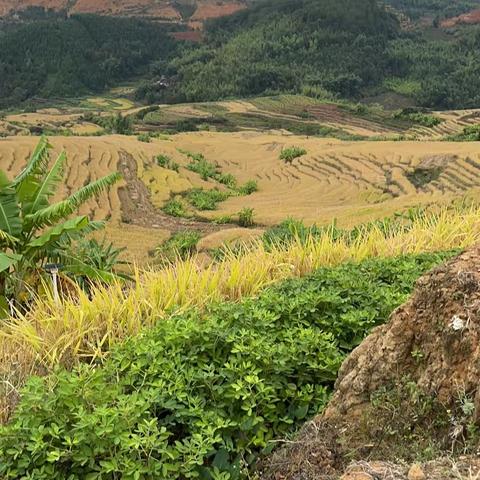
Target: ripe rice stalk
{"x": 86, "y": 327}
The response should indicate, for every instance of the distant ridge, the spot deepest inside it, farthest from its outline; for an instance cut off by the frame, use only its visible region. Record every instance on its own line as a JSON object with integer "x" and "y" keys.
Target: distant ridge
{"x": 195, "y": 12}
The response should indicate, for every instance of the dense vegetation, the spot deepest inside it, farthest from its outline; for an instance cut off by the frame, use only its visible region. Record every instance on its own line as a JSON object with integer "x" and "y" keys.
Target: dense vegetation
{"x": 284, "y": 46}
{"x": 437, "y": 8}
{"x": 323, "y": 49}
{"x": 199, "y": 395}
{"x": 328, "y": 48}
{"x": 58, "y": 57}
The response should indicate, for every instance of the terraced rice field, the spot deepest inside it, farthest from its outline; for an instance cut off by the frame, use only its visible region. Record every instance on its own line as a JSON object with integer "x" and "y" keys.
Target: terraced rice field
{"x": 348, "y": 181}
{"x": 453, "y": 122}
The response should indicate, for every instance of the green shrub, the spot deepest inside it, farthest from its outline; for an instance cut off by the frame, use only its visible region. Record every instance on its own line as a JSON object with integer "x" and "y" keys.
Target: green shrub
{"x": 291, "y": 153}
{"x": 166, "y": 162}
{"x": 206, "y": 199}
{"x": 418, "y": 117}
{"x": 180, "y": 245}
{"x": 245, "y": 217}
{"x": 144, "y": 137}
{"x": 226, "y": 179}
{"x": 199, "y": 164}
{"x": 468, "y": 134}
{"x": 248, "y": 188}
{"x": 175, "y": 208}
{"x": 203, "y": 394}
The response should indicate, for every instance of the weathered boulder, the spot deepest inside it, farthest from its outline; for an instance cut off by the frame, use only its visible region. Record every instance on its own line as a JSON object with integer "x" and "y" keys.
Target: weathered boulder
{"x": 433, "y": 340}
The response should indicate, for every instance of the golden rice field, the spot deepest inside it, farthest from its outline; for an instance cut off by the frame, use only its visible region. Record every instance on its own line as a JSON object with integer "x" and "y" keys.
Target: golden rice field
{"x": 351, "y": 182}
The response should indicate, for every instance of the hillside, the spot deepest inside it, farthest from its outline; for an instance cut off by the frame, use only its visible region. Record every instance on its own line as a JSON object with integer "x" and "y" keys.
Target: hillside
{"x": 196, "y": 11}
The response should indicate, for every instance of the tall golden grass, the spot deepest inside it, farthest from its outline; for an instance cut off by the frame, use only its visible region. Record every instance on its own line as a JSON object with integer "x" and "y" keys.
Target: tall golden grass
{"x": 86, "y": 327}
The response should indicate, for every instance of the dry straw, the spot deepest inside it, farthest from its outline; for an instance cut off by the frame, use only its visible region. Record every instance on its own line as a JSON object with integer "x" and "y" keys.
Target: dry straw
{"x": 85, "y": 328}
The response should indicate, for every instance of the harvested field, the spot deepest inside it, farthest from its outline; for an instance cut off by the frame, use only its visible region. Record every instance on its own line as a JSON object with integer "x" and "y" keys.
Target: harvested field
{"x": 352, "y": 182}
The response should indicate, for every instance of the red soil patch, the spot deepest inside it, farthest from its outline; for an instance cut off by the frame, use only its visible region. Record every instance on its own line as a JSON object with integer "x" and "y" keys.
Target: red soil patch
{"x": 211, "y": 9}
{"x": 470, "y": 18}
{"x": 190, "y": 36}
{"x": 162, "y": 9}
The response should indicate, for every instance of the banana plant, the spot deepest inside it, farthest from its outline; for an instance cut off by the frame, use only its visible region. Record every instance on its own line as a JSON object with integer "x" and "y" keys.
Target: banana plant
{"x": 34, "y": 230}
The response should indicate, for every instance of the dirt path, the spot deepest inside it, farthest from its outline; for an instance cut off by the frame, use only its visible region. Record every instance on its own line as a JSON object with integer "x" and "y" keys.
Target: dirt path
{"x": 137, "y": 209}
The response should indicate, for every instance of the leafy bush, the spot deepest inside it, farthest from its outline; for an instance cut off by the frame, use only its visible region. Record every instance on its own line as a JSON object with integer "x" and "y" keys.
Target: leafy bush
{"x": 202, "y": 166}
{"x": 206, "y": 199}
{"x": 144, "y": 137}
{"x": 291, "y": 153}
{"x": 166, "y": 162}
{"x": 418, "y": 117}
{"x": 175, "y": 208}
{"x": 180, "y": 245}
{"x": 248, "y": 188}
{"x": 245, "y": 217}
{"x": 469, "y": 134}
{"x": 199, "y": 396}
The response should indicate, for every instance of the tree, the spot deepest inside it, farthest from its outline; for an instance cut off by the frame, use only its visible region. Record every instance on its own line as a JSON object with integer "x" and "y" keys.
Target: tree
{"x": 34, "y": 231}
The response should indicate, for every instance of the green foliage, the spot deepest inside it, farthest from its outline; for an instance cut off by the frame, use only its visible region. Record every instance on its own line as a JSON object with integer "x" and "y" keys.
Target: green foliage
{"x": 180, "y": 245}
{"x": 144, "y": 137}
{"x": 118, "y": 123}
{"x": 175, "y": 208}
{"x": 34, "y": 231}
{"x": 291, "y": 153}
{"x": 199, "y": 164}
{"x": 58, "y": 57}
{"x": 468, "y": 134}
{"x": 199, "y": 395}
{"x": 246, "y": 217}
{"x": 425, "y": 119}
{"x": 226, "y": 179}
{"x": 248, "y": 188}
{"x": 166, "y": 162}
{"x": 206, "y": 199}
{"x": 99, "y": 256}
{"x": 282, "y": 45}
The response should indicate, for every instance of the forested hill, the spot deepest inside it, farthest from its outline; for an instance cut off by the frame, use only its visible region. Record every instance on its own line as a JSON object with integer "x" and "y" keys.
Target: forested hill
{"x": 286, "y": 45}
{"x": 57, "y": 57}
{"x": 322, "y": 48}
{"x": 344, "y": 48}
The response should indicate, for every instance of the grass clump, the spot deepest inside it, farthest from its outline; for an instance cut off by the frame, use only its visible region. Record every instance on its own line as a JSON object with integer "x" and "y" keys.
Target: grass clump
{"x": 181, "y": 245}
{"x": 175, "y": 208}
{"x": 206, "y": 199}
{"x": 199, "y": 164}
{"x": 248, "y": 188}
{"x": 289, "y": 154}
{"x": 165, "y": 161}
{"x": 246, "y": 217}
{"x": 144, "y": 137}
{"x": 199, "y": 396}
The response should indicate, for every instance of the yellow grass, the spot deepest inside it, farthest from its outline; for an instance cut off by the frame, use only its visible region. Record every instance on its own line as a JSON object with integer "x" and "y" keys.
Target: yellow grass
{"x": 87, "y": 328}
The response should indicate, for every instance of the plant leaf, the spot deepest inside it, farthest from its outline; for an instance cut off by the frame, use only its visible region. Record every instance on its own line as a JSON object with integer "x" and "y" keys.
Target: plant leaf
{"x": 58, "y": 211}
{"x": 10, "y": 220}
{"x": 7, "y": 260}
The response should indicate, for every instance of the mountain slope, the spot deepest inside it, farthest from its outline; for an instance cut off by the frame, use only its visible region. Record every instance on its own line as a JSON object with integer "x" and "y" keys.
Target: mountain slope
{"x": 175, "y": 11}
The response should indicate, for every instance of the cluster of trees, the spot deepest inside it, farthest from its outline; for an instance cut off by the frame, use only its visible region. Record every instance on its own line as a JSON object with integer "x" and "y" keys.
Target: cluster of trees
{"x": 437, "y": 8}
{"x": 60, "y": 57}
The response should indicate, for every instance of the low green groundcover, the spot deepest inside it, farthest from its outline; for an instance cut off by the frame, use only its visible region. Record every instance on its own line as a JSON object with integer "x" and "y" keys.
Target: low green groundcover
{"x": 203, "y": 394}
